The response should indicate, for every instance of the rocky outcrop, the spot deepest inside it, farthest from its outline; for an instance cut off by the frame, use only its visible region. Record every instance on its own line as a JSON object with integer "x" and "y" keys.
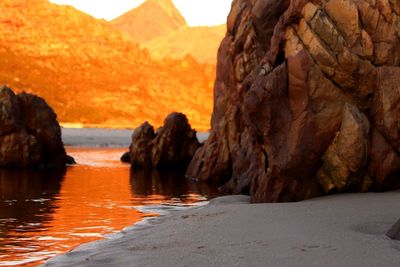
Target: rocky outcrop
{"x": 172, "y": 146}
{"x": 307, "y": 100}
{"x": 30, "y": 135}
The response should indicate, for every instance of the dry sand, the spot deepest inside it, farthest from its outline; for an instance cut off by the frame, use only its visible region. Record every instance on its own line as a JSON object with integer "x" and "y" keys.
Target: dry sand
{"x": 341, "y": 230}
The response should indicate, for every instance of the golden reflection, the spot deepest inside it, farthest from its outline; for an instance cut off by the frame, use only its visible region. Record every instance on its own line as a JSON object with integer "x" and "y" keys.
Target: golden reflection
{"x": 43, "y": 214}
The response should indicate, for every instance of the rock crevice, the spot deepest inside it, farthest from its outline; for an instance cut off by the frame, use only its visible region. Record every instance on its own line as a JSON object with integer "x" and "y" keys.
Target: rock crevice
{"x": 306, "y": 100}
{"x": 171, "y": 146}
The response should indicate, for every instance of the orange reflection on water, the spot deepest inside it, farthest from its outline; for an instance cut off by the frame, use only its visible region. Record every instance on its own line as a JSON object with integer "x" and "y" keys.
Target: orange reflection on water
{"x": 43, "y": 214}
{"x": 95, "y": 201}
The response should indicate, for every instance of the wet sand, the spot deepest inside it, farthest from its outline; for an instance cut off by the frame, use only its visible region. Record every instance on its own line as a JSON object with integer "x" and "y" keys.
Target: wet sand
{"x": 340, "y": 230}
{"x": 94, "y": 137}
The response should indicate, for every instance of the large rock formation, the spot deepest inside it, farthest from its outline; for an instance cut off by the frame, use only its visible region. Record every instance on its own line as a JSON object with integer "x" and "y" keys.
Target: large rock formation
{"x": 172, "y": 146}
{"x": 307, "y": 100}
{"x": 30, "y": 135}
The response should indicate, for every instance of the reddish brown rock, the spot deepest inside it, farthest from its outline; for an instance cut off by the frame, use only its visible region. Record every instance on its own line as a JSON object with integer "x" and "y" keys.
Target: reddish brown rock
{"x": 172, "y": 146}
{"x": 30, "y": 135}
{"x": 307, "y": 100}
{"x": 141, "y": 146}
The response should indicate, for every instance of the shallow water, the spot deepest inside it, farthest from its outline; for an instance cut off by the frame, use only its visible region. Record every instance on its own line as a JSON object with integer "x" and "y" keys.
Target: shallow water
{"x": 45, "y": 213}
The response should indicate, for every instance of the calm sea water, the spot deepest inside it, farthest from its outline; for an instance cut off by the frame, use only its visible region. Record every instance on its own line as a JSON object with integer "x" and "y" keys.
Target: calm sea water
{"x": 46, "y": 213}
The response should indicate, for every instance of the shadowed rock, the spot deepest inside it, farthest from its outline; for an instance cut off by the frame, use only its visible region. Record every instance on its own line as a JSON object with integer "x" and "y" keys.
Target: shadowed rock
{"x": 394, "y": 232}
{"x": 141, "y": 147}
{"x": 126, "y": 157}
{"x": 306, "y": 101}
{"x": 30, "y": 135}
{"x": 172, "y": 146}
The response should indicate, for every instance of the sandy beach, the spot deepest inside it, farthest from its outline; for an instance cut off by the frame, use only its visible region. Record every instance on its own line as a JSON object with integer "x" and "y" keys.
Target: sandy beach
{"x": 339, "y": 230}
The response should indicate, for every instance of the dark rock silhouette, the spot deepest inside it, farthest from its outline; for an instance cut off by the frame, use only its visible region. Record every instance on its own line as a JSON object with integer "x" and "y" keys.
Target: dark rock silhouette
{"x": 172, "y": 146}
{"x": 307, "y": 100}
{"x": 30, "y": 135}
{"x": 394, "y": 232}
{"x": 141, "y": 147}
{"x": 126, "y": 157}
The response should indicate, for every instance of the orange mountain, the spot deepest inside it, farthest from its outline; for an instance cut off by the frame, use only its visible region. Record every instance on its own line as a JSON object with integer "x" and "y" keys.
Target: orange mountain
{"x": 200, "y": 42}
{"x": 152, "y": 19}
{"x": 93, "y": 74}
{"x": 158, "y": 26}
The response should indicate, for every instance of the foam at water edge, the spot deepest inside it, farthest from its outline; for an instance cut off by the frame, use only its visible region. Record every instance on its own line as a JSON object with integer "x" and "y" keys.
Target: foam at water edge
{"x": 159, "y": 212}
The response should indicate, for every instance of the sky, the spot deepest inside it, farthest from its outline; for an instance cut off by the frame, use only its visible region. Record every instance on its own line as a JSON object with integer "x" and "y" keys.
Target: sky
{"x": 196, "y": 12}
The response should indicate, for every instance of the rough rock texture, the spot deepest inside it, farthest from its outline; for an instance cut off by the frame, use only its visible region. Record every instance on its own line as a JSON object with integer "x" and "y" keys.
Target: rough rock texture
{"x": 307, "y": 100}
{"x": 172, "y": 146}
{"x": 394, "y": 232}
{"x": 30, "y": 135}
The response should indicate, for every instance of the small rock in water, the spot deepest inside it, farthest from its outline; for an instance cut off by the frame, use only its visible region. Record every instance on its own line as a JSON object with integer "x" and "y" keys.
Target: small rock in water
{"x": 70, "y": 160}
{"x": 126, "y": 157}
{"x": 172, "y": 146}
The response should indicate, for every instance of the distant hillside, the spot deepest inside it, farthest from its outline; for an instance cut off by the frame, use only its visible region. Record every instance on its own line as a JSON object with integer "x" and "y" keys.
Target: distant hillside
{"x": 200, "y": 42}
{"x": 91, "y": 73}
{"x": 150, "y": 20}
{"x": 158, "y": 26}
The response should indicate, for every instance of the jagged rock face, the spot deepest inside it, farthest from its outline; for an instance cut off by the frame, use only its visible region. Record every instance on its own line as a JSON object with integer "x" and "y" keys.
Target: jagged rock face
{"x": 307, "y": 100}
{"x": 172, "y": 146}
{"x": 30, "y": 135}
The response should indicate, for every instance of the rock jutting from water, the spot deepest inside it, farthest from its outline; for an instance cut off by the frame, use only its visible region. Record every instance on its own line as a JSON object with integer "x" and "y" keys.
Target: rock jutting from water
{"x": 171, "y": 146}
{"x": 30, "y": 135}
{"x": 307, "y": 100}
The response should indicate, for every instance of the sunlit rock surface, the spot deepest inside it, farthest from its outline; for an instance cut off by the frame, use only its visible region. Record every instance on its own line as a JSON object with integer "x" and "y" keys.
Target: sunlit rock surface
{"x": 307, "y": 100}
{"x": 171, "y": 146}
{"x": 30, "y": 135}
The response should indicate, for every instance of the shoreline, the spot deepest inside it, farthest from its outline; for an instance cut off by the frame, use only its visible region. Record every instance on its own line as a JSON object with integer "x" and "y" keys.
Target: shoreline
{"x": 98, "y": 137}
{"x": 337, "y": 230}
{"x": 155, "y": 214}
